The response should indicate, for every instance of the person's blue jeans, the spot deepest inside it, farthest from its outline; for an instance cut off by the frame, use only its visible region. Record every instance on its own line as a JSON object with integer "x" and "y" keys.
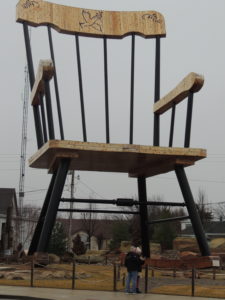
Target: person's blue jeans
{"x": 131, "y": 282}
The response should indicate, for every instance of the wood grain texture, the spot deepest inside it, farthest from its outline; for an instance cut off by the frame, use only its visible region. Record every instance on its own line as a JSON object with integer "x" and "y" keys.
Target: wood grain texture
{"x": 90, "y": 22}
{"x": 45, "y": 72}
{"x": 193, "y": 82}
{"x": 136, "y": 160}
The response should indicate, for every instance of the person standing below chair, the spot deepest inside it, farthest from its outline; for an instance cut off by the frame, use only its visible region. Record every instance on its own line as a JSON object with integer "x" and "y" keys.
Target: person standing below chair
{"x": 141, "y": 261}
{"x": 132, "y": 264}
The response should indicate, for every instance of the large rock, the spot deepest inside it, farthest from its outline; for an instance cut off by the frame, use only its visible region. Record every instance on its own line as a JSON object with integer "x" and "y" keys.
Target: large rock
{"x": 97, "y": 252}
{"x": 217, "y": 245}
{"x": 125, "y": 246}
{"x": 188, "y": 255}
{"x": 155, "y": 248}
{"x": 185, "y": 244}
{"x": 89, "y": 259}
{"x": 54, "y": 259}
{"x": 16, "y": 275}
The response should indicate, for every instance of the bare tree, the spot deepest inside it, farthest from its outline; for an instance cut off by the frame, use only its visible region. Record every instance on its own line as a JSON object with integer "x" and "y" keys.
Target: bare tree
{"x": 90, "y": 222}
{"x": 205, "y": 213}
{"x": 219, "y": 211}
{"x": 29, "y": 220}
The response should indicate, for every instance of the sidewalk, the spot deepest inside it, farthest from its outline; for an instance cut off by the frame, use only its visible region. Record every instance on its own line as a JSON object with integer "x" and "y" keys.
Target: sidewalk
{"x": 61, "y": 294}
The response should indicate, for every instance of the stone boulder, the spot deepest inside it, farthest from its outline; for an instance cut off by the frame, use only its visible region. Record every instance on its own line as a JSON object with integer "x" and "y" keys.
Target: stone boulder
{"x": 54, "y": 259}
{"x": 188, "y": 255}
{"x": 89, "y": 259}
{"x": 16, "y": 275}
{"x": 155, "y": 248}
{"x": 125, "y": 246}
{"x": 217, "y": 245}
{"x": 185, "y": 244}
{"x": 97, "y": 252}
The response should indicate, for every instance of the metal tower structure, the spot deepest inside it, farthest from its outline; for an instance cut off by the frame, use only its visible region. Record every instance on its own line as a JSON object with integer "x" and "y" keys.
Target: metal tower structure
{"x": 25, "y": 98}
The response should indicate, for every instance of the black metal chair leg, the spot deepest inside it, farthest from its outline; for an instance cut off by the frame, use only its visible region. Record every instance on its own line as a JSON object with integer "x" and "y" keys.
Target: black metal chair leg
{"x": 143, "y": 216}
{"x": 53, "y": 205}
{"x": 39, "y": 226}
{"x": 192, "y": 211}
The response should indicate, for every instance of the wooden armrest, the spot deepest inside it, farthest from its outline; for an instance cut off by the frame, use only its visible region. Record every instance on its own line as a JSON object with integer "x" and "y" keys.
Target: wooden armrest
{"x": 191, "y": 83}
{"x": 45, "y": 72}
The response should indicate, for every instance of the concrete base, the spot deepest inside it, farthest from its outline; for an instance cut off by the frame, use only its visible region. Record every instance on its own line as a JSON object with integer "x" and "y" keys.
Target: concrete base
{"x": 61, "y": 294}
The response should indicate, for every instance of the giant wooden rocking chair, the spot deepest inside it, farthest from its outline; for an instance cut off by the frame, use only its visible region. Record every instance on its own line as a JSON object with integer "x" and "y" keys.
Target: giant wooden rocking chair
{"x": 60, "y": 155}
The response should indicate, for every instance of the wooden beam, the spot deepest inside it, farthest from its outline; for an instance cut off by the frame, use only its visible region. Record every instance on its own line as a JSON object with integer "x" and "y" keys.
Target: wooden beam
{"x": 136, "y": 160}
{"x": 45, "y": 72}
{"x": 193, "y": 82}
{"x": 160, "y": 166}
{"x": 90, "y": 22}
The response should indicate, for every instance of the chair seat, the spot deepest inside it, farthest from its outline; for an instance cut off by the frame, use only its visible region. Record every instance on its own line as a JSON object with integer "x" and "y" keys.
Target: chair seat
{"x": 136, "y": 160}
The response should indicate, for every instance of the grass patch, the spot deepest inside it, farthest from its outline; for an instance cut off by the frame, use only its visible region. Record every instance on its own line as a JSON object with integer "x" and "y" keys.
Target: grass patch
{"x": 98, "y": 278}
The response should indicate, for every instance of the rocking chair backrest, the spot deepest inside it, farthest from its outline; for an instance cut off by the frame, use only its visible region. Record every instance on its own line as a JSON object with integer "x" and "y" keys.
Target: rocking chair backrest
{"x": 91, "y": 23}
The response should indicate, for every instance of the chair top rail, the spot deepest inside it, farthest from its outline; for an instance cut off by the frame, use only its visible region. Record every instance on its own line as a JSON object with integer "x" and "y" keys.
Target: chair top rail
{"x": 97, "y": 23}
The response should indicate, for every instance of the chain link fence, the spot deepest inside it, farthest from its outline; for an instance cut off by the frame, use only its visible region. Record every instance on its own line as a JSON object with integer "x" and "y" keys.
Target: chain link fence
{"x": 112, "y": 277}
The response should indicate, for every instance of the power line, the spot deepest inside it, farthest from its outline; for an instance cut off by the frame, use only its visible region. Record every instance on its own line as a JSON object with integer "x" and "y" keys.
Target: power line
{"x": 197, "y": 180}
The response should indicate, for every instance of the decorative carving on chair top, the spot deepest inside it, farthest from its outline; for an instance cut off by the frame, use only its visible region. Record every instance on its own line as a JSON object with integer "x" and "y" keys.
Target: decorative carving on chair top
{"x": 94, "y": 21}
{"x": 30, "y": 3}
{"x": 152, "y": 17}
{"x": 98, "y": 23}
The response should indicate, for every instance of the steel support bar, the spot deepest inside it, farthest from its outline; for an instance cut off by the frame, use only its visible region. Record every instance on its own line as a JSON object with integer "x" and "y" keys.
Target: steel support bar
{"x": 188, "y": 121}
{"x": 36, "y": 112}
{"x": 29, "y": 55}
{"x": 99, "y": 211}
{"x": 49, "y": 111}
{"x": 159, "y": 203}
{"x": 39, "y": 226}
{"x": 53, "y": 205}
{"x": 56, "y": 84}
{"x": 45, "y": 135}
{"x": 132, "y": 88}
{"x": 169, "y": 220}
{"x": 142, "y": 194}
{"x": 172, "y": 125}
{"x": 192, "y": 211}
{"x": 81, "y": 88}
{"x": 156, "y": 136}
{"x": 106, "y": 90}
{"x": 122, "y": 202}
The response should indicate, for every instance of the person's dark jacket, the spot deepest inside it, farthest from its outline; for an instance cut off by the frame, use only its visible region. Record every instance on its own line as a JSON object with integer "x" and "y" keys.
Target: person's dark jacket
{"x": 140, "y": 263}
{"x": 132, "y": 262}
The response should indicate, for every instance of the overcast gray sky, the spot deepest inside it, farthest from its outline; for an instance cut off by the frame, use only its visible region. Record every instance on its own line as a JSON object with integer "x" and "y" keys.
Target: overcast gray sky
{"x": 195, "y": 42}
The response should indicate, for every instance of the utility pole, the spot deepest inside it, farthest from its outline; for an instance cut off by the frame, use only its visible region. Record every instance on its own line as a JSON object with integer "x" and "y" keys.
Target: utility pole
{"x": 23, "y": 151}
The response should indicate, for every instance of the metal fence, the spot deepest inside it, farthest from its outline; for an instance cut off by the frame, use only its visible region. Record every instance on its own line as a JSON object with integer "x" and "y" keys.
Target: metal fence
{"x": 112, "y": 277}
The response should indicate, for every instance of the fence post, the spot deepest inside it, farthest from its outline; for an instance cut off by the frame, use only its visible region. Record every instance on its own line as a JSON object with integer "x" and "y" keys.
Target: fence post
{"x": 32, "y": 272}
{"x": 146, "y": 278}
{"x": 174, "y": 273}
{"x": 114, "y": 277}
{"x": 124, "y": 279}
{"x": 193, "y": 282}
{"x": 118, "y": 272}
{"x": 153, "y": 273}
{"x": 74, "y": 274}
{"x": 214, "y": 273}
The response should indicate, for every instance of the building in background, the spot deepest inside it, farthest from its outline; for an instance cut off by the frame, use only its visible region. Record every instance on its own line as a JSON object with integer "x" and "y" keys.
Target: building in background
{"x": 9, "y": 216}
